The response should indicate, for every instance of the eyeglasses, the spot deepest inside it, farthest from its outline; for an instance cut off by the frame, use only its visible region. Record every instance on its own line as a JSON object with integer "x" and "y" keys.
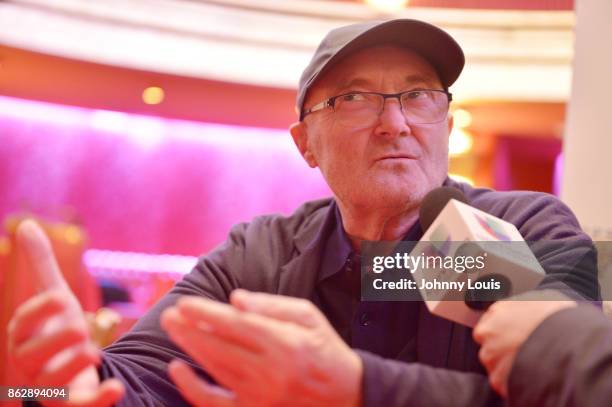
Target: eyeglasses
{"x": 421, "y": 106}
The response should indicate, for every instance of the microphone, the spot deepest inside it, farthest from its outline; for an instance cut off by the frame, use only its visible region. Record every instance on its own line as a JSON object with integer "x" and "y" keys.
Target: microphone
{"x": 435, "y": 201}
{"x": 502, "y": 264}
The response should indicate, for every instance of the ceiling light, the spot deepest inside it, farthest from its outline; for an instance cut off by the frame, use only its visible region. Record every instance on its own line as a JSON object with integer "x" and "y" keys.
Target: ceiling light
{"x": 153, "y": 95}
{"x": 389, "y": 6}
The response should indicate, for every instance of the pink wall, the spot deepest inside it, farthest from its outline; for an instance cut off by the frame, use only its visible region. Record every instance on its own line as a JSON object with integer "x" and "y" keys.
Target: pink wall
{"x": 145, "y": 184}
{"x": 526, "y": 163}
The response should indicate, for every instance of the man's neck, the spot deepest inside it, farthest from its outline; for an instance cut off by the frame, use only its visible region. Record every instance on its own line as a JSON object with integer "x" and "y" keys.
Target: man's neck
{"x": 386, "y": 224}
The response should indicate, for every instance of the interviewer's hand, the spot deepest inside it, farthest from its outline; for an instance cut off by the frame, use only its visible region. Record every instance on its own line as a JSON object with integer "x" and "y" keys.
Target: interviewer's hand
{"x": 503, "y": 329}
{"x": 267, "y": 350}
{"x": 48, "y": 339}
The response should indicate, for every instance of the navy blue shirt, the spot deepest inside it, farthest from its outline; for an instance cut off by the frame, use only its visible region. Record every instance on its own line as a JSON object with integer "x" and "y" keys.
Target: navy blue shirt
{"x": 363, "y": 324}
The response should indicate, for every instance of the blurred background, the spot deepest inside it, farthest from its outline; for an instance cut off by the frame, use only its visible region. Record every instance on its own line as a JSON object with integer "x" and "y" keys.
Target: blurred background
{"x": 138, "y": 132}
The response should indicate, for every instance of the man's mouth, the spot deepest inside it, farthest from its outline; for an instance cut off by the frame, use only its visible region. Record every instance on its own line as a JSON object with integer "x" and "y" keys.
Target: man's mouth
{"x": 397, "y": 157}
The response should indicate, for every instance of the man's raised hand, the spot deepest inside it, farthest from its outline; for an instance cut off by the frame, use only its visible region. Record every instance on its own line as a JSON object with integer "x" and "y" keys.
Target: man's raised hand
{"x": 266, "y": 350}
{"x": 49, "y": 342}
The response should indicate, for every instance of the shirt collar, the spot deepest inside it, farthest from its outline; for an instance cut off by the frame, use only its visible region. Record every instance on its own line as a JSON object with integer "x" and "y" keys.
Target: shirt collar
{"x": 338, "y": 249}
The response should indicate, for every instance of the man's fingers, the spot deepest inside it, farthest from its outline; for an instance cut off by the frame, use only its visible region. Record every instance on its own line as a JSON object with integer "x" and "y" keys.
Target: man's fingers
{"x": 65, "y": 371}
{"x": 32, "y": 314}
{"x": 247, "y": 329}
{"x": 197, "y": 391}
{"x": 225, "y": 361}
{"x": 490, "y": 355}
{"x": 289, "y": 309}
{"x": 33, "y": 242}
{"x": 35, "y": 353}
{"x": 481, "y": 331}
{"x": 107, "y": 395}
{"x": 499, "y": 376}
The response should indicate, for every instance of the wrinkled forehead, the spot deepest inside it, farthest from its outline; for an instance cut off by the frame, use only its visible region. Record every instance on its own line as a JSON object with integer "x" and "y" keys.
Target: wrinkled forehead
{"x": 370, "y": 64}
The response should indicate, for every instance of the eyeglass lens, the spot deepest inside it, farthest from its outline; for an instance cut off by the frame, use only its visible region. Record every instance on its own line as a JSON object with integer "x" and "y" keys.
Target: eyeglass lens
{"x": 419, "y": 107}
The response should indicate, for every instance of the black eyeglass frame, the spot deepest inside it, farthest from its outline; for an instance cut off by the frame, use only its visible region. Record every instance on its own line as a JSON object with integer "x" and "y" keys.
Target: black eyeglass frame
{"x": 331, "y": 102}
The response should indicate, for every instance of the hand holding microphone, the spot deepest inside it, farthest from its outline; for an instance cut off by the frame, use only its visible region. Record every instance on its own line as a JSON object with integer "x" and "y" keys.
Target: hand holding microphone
{"x": 506, "y": 325}
{"x": 48, "y": 337}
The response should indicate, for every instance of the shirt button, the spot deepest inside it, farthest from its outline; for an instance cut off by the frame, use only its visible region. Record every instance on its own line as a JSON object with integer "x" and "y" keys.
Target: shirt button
{"x": 364, "y": 319}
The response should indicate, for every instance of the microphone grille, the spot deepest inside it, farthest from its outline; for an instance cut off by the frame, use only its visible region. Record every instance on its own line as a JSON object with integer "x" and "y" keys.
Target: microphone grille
{"x": 435, "y": 201}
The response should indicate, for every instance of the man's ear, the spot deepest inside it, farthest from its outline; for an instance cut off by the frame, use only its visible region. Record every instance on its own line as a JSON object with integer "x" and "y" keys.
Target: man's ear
{"x": 299, "y": 133}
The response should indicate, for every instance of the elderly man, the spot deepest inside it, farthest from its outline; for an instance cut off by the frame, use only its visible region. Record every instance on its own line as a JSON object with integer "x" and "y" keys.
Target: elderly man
{"x": 374, "y": 118}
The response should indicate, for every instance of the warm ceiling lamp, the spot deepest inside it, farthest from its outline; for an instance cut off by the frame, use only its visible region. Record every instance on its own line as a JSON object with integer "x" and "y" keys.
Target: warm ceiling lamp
{"x": 389, "y": 6}
{"x": 153, "y": 95}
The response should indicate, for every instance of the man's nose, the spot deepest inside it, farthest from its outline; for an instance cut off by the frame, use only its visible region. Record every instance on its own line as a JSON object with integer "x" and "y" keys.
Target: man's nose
{"x": 392, "y": 121}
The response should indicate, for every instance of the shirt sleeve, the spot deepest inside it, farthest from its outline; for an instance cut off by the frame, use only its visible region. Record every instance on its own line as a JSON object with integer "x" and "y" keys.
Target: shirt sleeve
{"x": 140, "y": 358}
{"x": 566, "y": 361}
{"x": 565, "y": 252}
{"x": 391, "y": 383}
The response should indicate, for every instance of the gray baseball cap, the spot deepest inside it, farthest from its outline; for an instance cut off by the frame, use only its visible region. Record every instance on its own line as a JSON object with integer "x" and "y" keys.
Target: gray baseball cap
{"x": 429, "y": 41}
